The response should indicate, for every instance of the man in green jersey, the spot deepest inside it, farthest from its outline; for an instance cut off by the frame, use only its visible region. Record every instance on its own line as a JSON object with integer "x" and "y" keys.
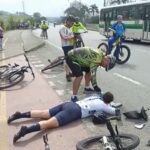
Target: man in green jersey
{"x": 85, "y": 59}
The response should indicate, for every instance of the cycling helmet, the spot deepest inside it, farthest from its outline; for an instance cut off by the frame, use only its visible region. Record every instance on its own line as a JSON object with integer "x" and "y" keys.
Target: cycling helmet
{"x": 99, "y": 118}
{"x": 112, "y": 62}
{"x": 76, "y": 19}
{"x": 70, "y": 18}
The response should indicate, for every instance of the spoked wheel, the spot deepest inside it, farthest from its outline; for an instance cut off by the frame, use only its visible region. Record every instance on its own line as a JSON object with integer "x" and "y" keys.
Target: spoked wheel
{"x": 103, "y": 47}
{"x": 124, "y": 54}
{"x": 3, "y": 68}
{"x": 79, "y": 44}
{"x": 129, "y": 142}
{"x": 11, "y": 81}
{"x": 58, "y": 61}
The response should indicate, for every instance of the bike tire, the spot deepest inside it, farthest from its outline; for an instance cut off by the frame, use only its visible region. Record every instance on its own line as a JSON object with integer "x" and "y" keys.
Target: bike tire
{"x": 127, "y": 49}
{"x": 9, "y": 82}
{"x": 103, "y": 47}
{"x": 3, "y": 68}
{"x": 53, "y": 64}
{"x": 86, "y": 143}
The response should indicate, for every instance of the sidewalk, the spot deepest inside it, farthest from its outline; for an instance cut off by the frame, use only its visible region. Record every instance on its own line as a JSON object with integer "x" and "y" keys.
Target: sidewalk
{"x": 33, "y": 94}
{"x": 17, "y": 41}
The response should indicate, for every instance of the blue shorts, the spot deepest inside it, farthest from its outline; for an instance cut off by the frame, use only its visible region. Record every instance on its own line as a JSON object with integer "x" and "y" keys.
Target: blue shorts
{"x": 66, "y": 112}
{"x": 66, "y": 49}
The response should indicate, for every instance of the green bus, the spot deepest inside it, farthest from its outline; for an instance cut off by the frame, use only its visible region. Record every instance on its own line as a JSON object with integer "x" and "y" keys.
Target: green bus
{"x": 136, "y": 17}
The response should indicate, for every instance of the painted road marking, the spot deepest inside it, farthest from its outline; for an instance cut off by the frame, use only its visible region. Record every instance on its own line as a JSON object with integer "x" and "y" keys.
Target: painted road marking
{"x": 128, "y": 79}
{"x": 39, "y": 65}
{"x": 4, "y": 42}
{"x": 60, "y": 92}
{"x": 51, "y": 83}
{"x": 3, "y": 118}
{"x": 58, "y": 47}
{"x": 36, "y": 62}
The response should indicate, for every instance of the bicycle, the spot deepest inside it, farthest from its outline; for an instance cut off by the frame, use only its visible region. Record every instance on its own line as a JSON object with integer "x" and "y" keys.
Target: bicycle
{"x": 56, "y": 62}
{"x": 114, "y": 141}
{"x": 45, "y": 139}
{"x": 11, "y": 75}
{"x": 78, "y": 40}
{"x": 124, "y": 52}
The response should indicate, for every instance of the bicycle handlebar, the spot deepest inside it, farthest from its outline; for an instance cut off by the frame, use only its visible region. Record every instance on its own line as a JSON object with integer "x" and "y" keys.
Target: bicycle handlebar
{"x": 114, "y": 118}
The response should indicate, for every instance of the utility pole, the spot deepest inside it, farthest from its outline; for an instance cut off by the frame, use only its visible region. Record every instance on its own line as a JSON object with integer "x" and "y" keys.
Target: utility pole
{"x": 23, "y": 6}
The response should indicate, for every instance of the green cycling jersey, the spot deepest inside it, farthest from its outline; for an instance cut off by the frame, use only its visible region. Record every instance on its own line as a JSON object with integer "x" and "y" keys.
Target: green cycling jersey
{"x": 78, "y": 28}
{"x": 87, "y": 57}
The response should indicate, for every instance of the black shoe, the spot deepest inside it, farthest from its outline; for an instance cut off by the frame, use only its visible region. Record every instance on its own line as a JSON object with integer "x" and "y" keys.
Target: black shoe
{"x": 88, "y": 90}
{"x": 74, "y": 99}
{"x": 68, "y": 78}
{"x": 13, "y": 117}
{"x": 22, "y": 132}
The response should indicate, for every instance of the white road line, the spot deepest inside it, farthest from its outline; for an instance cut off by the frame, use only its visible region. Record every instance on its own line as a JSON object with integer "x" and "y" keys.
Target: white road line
{"x": 60, "y": 82}
{"x": 51, "y": 83}
{"x": 39, "y": 65}
{"x": 47, "y": 76}
{"x": 36, "y": 62}
{"x": 58, "y": 47}
{"x": 31, "y": 56}
{"x": 128, "y": 79}
{"x": 60, "y": 92}
{"x": 4, "y": 43}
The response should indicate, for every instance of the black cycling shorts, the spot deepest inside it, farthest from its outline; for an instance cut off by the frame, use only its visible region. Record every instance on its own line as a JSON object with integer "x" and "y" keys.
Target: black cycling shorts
{"x": 66, "y": 49}
{"x": 66, "y": 112}
{"x": 76, "y": 69}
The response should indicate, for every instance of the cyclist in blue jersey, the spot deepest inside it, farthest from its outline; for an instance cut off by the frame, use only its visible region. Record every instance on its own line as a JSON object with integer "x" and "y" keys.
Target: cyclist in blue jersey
{"x": 119, "y": 29}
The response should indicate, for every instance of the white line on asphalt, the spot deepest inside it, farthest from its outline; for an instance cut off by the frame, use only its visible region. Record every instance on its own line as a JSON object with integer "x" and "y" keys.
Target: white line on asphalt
{"x": 47, "y": 76}
{"x": 128, "y": 79}
{"x": 40, "y": 65}
{"x": 60, "y": 92}
{"x": 60, "y": 82}
{"x": 36, "y": 62}
{"x": 51, "y": 83}
{"x": 54, "y": 45}
{"x": 4, "y": 43}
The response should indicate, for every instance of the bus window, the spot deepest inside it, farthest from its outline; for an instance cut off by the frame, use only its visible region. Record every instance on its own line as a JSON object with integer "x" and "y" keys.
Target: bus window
{"x": 114, "y": 16}
{"x": 133, "y": 13}
{"x": 125, "y": 14}
{"x": 140, "y": 14}
{"x": 102, "y": 15}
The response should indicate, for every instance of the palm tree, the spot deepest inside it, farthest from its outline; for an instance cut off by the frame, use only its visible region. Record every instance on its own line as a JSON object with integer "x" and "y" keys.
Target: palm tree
{"x": 94, "y": 9}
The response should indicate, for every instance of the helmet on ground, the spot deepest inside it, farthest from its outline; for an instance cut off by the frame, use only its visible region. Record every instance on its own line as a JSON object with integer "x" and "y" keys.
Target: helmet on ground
{"x": 99, "y": 118}
{"x": 112, "y": 62}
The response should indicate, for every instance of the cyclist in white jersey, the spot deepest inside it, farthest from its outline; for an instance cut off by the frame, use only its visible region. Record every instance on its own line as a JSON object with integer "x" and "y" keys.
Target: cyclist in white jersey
{"x": 64, "y": 113}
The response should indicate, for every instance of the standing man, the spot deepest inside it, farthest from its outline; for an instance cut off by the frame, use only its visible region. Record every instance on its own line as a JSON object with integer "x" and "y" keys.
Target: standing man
{"x": 1, "y": 38}
{"x": 44, "y": 27}
{"x": 67, "y": 40}
{"x": 86, "y": 59}
{"x": 119, "y": 29}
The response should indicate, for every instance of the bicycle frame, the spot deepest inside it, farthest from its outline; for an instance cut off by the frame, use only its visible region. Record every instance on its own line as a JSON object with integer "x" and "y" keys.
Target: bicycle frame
{"x": 114, "y": 136}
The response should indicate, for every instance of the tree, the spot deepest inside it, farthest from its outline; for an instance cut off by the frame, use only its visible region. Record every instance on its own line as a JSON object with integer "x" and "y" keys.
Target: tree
{"x": 94, "y": 9}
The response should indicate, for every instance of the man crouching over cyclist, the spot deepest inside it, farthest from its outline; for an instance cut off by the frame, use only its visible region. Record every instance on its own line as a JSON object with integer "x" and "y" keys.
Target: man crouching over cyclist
{"x": 65, "y": 113}
{"x": 87, "y": 60}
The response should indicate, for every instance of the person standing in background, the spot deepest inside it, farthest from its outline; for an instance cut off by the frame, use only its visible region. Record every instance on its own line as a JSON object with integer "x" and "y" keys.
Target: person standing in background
{"x": 1, "y": 38}
{"x": 67, "y": 40}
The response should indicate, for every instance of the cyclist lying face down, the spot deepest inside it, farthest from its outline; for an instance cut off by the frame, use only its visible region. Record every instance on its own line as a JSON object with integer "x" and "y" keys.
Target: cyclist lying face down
{"x": 86, "y": 59}
{"x": 64, "y": 113}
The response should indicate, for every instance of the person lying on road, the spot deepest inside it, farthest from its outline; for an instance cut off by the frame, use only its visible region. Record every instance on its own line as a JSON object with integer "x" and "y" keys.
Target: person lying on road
{"x": 64, "y": 113}
{"x": 86, "y": 59}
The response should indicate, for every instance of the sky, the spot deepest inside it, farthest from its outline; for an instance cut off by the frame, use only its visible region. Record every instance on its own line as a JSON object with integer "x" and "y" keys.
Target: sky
{"x": 48, "y": 8}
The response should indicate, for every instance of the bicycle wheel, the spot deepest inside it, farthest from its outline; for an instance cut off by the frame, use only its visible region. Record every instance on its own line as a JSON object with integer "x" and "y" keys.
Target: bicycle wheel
{"x": 129, "y": 142}
{"x": 3, "y": 68}
{"x": 124, "y": 54}
{"x": 103, "y": 47}
{"x": 55, "y": 63}
{"x": 11, "y": 81}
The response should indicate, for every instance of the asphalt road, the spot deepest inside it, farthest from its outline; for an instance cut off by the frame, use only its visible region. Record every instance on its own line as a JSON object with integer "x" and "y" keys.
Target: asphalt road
{"x": 129, "y": 82}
